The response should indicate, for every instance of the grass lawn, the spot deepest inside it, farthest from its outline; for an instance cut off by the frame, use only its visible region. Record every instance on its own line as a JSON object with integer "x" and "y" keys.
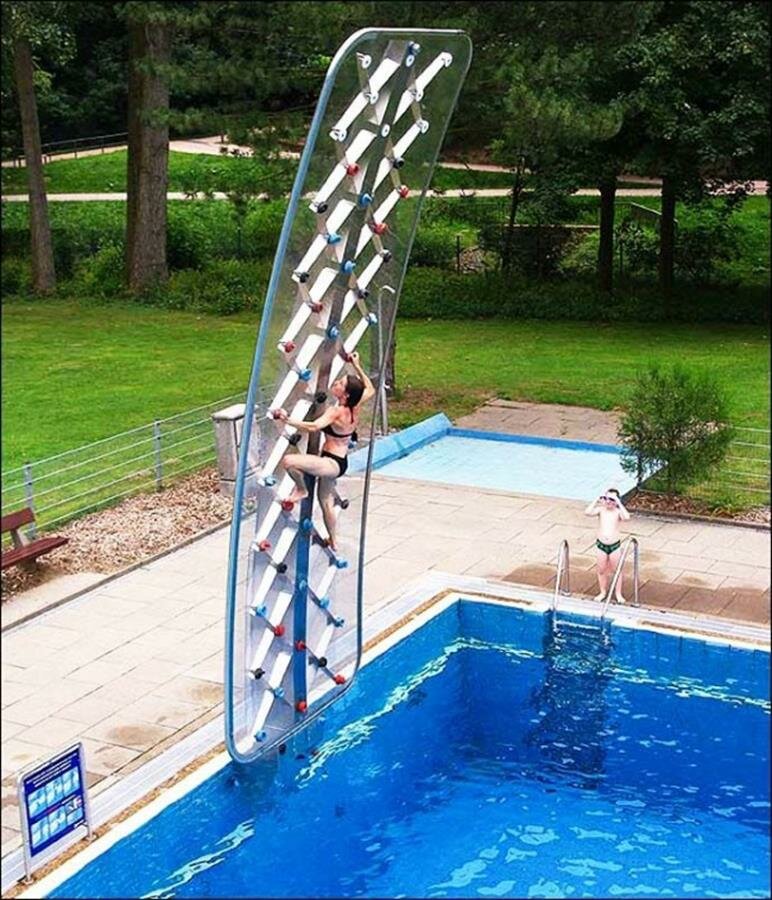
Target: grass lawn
{"x": 74, "y": 373}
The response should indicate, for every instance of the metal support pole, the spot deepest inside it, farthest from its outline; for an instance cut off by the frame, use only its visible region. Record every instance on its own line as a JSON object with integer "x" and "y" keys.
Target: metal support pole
{"x": 29, "y": 496}
{"x": 159, "y": 466}
{"x": 458, "y": 254}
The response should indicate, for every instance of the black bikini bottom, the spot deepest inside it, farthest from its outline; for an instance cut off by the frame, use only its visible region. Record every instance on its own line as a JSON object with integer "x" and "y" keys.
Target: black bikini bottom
{"x": 342, "y": 462}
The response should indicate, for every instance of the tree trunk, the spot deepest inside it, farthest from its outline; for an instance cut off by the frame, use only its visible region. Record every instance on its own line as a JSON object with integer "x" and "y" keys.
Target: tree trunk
{"x": 667, "y": 236}
{"x": 148, "y": 155}
{"x": 608, "y": 190}
{"x": 517, "y": 189}
{"x": 43, "y": 274}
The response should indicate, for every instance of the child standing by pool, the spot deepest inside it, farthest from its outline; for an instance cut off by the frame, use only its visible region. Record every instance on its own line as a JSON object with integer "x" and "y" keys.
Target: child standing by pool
{"x": 610, "y": 510}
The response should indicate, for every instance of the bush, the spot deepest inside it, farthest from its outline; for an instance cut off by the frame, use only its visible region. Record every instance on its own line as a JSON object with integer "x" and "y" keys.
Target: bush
{"x": 434, "y": 245}
{"x": 224, "y": 287}
{"x": 16, "y": 277}
{"x": 675, "y": 424}
{"x": 100, "y": 275}
{"x": 704, "y": 244}
{"x": 581, "y": 257}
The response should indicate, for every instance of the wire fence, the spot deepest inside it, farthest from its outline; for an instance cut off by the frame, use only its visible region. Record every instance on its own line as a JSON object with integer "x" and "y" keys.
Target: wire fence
{"x": 101, "y": 474}
{"x": 15, "y": 155}
{"x": 743, "y": 477}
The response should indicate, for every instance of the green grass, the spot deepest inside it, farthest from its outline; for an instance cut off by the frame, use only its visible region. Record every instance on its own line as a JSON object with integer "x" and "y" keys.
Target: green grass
{"x": 76, "y": 373}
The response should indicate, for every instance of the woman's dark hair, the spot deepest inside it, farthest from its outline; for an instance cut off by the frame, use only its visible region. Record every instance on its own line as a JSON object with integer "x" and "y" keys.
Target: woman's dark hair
{"x": 354, "y": 389}
{"x": 613, "y": 491}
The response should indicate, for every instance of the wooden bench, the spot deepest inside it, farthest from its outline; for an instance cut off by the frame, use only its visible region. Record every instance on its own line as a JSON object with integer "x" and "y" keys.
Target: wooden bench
{"x": 25, "y": 550}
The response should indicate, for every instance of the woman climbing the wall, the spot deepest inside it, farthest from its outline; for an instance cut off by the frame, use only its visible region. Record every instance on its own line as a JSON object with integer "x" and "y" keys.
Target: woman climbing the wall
{"x": 338, "y": 424}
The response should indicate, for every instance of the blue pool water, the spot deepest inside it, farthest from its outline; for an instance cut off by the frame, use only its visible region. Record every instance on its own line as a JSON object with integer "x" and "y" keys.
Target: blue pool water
{"x": 547, "y": 467}
{"x": 487, "y": 756}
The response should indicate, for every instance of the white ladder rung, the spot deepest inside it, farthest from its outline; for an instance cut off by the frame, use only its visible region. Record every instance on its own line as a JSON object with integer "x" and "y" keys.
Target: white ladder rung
{"x": 306, "y": 353}
{"x": 275, "y": 678}
{"x": 436, "y": 65}
{"x": 380, "y": 216}
{"x": 355, "y": 149}
{"x": 349, "y": 345}
{"x": 283, "y": 601}
{"x": 386, "y": 68}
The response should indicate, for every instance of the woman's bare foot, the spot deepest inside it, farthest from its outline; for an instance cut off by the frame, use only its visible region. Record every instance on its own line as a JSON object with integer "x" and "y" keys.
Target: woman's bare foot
{"x": 297, "y": 495}
{"x": 600, "y": 596}
{"x": 621, "y": 599}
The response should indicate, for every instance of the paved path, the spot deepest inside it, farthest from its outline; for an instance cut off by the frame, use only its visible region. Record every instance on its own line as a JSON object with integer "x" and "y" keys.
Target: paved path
{"x": 132, "y": 666}
{"x": 120, "y": 196}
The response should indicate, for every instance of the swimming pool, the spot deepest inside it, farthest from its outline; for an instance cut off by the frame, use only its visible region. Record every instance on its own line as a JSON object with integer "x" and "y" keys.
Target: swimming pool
{"x": 530, "y": 465}
{"x": 489, "y": 754}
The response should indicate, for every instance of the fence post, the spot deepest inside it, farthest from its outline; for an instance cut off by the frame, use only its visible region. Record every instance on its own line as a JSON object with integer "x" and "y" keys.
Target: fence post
{"x": 458, "y": 254}
{"x": 29, "y": 496}
{"x": 159, "y": 466}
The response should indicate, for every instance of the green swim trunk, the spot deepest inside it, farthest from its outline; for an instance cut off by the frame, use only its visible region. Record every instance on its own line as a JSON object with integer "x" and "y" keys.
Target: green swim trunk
{"x": 608, "y": 549}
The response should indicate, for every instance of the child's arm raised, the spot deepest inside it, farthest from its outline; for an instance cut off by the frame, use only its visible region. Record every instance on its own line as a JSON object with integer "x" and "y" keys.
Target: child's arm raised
{"x": 592, "y": 509}
{"x": 624, "y": 515}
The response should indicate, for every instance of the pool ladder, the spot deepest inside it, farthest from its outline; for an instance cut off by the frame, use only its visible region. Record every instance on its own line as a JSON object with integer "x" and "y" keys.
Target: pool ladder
{"x": 630, "y": 542}
{"x": 563, "y": 569}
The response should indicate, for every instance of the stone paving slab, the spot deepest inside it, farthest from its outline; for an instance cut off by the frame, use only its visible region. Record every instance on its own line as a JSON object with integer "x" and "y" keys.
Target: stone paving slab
{"x": 152, "y": 665}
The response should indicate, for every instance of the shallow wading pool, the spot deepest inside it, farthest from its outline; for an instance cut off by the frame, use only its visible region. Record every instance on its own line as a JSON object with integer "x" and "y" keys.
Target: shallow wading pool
{"x": 491, "y": 752}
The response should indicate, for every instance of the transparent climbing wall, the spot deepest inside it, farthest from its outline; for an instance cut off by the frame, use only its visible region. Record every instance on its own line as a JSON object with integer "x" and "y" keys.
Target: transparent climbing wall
{"x": 294, "y": 606}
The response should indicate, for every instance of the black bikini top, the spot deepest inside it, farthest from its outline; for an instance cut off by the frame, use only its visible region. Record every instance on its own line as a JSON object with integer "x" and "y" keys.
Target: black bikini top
{"x": 328, "y": 430}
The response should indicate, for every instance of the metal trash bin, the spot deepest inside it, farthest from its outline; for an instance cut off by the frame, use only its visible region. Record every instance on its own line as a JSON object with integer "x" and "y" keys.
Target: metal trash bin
{"x": 228, "y": 426}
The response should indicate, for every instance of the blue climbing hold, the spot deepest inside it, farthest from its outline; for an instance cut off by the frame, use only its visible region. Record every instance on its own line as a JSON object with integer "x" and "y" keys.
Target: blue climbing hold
{"x": 333, "y": 238}
{"x": 365, "y": 199}
{"x": 348, "y": 266}
{"x": 324, "y": 602}
{"x": 341, "y": 564}
{"x": 332, "y": 332}
{"x": 306, "y": 525}
{"x": 261, "y": 736}
{"x": 278, "y": 692}
{"x": 302, "y": 584}
{"x": 261, "y": 610}
{"x": 269, "y": 481}
{"x": 305, "y": 374}
{"x": 372, "y": 319}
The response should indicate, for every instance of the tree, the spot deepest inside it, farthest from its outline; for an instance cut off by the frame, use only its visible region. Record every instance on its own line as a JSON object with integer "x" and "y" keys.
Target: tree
{"x": 701, "y": 102}
{"x": 150, "y": 36}
{"x": 675, "y": 426}
{"x": 27, "y": 28}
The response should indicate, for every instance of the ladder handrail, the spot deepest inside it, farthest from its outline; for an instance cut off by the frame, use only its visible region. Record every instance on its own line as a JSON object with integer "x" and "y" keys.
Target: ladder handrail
{"x": 563, "y": 566}
{"x": 630, "y": 542}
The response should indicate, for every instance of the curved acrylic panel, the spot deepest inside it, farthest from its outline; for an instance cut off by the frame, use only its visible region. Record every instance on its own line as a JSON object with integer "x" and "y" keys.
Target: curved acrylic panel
{"x": 293, "y": 618}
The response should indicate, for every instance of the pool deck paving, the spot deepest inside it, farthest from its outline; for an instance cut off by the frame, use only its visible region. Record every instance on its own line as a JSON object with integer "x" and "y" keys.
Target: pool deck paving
{"x": 135, "y": 664}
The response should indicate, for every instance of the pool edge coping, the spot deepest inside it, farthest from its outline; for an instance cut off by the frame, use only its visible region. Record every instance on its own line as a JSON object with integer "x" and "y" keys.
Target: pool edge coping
{"x": 404, "y": 612}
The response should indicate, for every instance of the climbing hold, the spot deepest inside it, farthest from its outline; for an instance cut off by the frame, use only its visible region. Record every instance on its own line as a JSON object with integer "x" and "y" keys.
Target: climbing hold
{"x": 268, "y": 481}
{"x": 302, "y": 584}
{"x": 279, "y": 630}
{"x": 386, "y": 255}
{"x": 277, "y": 413}
{"x": 306, "y": 525}
{"x": 372, "y": 319}
{"x": 324, "y": 602}
{"x": 404, "y": 191}
{"x": 305, "y": 374}
{"x": 300, "y": 645}
{"x": 261, "y": 736}
{"x": 332, "y": 332}
{"x": 287, "y": 346}
{"x": 302, "y": 277}
{"x": 320, "y": 397}
{"x": 351, "y": 444}
{"x": 261, "y": 611}
{"x": 340, "y": 679}
{"x": 385, "y": 129}
{"x": 414, "y": 48}
{"x": 319, "y": 208}
{"x": 352, "y": 169}
{"x": 339, "y": 622}
{"x": 417, "y": 94}
{"x": 344, "y": 504}
{"x": 301, "y": 706}
{"x": 278, "y": 692}
{"x": 294, "y": 439}
{"x": 345, "y": 355}
{"x": 365, "y": 199}
{"x": 264, "y": 545}
{"x": 281, "y": 568}
{"x": 379, "y": 227}
{"x": 371, "y": 97}
{"x": 409, "y": 60}
{"x": 322, "y": 662}
{"x": 258, "y": 673}
{"x": 287, "y": 505}
{"x": 363, "y": 293}
{"x": 340, "y": 563}
{"x": 315, "y": 306}
{"x": 334, "y": 238}
{"x": 398, "y": 162}
{"x": 423, "y": 126}
{"x": 348, "y": 266}
{"x": 338, "y": 134}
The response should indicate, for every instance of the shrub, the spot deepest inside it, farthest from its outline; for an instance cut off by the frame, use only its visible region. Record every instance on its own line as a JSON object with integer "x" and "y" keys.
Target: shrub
{"x": 16, "y": 276}
{"x": 702, "y": 245}
{"x": 581, "y": 257}
{"x": 434, "y": 245}
{"x": 100, "y": 275}
{"x": 224, "y": 287}
{"x": 675, "y": 424}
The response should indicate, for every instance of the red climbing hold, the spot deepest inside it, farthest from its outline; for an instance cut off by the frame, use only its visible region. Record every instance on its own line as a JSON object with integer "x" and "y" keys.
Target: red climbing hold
{"x": 301, "y": 706}
{"x": 340, "y": 679}
{"x": 404, "y": 191}
{"x": 288, "y": 346}
{"x": 352, "y": 169}
{"x": 264, "y": 545}
{"x": 300, "y": 645}
{"x": 316, "y": 307}
{"x": 277, "y": 413}
{"x": 287, "y": 505}
{"x": 380, "y": 228}
{"x": 346, "y": 356}
{"x": 279, "y": 630}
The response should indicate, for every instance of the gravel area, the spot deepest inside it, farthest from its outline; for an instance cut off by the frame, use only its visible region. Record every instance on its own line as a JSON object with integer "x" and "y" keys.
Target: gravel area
{"x": 136, "y": 529}
{"x": 662, "y": 503}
